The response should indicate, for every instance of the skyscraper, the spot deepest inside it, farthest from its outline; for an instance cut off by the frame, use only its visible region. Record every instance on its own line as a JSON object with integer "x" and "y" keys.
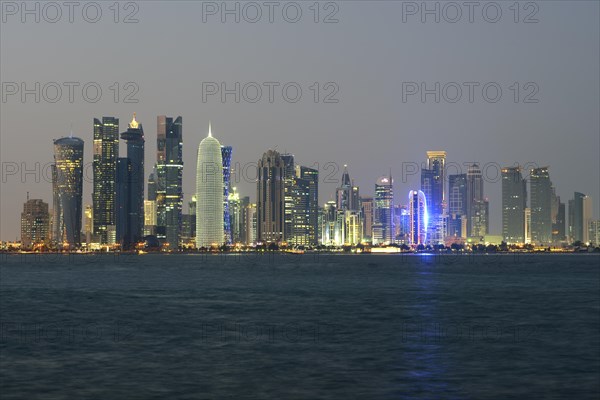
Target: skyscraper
{"x": 419, "y": 217}
{"x": 383, "y": 224}
{"x": 580, "y": 215}
{"x": 106, "y": 152}
{"x": 558, "y": 218}
{"x": 367, "y": 214}
{"x": 514, "y": 202}
{"x": 35, "y": 223}
{"x": 68, "y": 189}
{"x": 169, "y": 179}
{"x": 457, "y": 205}
{"x": 235, "y": 215}
{"x": 433, "y": 185}
{"x": 288, "y": 195}
{"x": 209, "y": 193}
{"x": 134, "y": 225}
{"x": 270, "y": 197}
{"x": 477, "y": 205}
{"x": 226, "y": 157}
{"x": 123, "y": 203}
{"x": 541, "y": 206}
{"x": 311, "y": 213}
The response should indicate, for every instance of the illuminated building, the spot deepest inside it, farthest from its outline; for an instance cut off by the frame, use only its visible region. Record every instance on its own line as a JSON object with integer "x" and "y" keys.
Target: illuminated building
{"x": 169, "y": 178}
{"x": 419, "y": 219}
{"x": 383, "y": 221}
{"x": 106, "y": 153}
{"x": 270, "y": 198}
{"x": 457, "y": 205}
{"x": 226, "y": 157}
{"x": 514, "y": 202}
{"x": 541, "y": 205}
{"x": 68, "y": 190}
{"x": 209, "y": 193}
{"x": 35, "y": 223}
{"x": 367, "y": 216}
{"x": 477, "y": 205}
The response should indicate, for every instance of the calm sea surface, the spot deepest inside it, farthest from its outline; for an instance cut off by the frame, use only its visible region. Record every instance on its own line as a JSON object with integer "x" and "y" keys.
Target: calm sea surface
{"x": 300, "y": 327}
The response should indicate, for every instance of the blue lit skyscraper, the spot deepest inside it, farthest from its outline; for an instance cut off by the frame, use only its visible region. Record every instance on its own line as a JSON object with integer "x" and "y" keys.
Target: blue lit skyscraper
{"x": 419, "y": 217}
{"x": 226, "y": 156}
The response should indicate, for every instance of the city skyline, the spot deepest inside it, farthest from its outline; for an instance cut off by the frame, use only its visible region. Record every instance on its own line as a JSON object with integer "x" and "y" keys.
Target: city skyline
{"x": 346, "y": 194}
{"x": 369, "y": 123}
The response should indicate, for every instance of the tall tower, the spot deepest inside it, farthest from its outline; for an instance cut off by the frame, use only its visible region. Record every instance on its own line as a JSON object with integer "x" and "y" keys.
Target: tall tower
{"x": 270, "y": 203}
{"x": 209, "y": 193}
{"x": 169, "y": 179}
{"x": 106, "y": 152}
{"x": 35, "y": 223}
{"x": 477, "y": 205}
{"x": 383, "y": 224}
{"x": 226, "y": 156}
{"x": 514, "y": 202}
{"x": 457, "y": 205}
{"x": 419, "y": 218}
{"x": 541, "y": 206}
{"x": 68, "y": 188}
{"x": 134, "y": 137}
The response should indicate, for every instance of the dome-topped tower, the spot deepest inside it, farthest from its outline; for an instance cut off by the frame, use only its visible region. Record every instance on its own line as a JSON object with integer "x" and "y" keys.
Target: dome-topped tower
{"x": 209, "y": 193}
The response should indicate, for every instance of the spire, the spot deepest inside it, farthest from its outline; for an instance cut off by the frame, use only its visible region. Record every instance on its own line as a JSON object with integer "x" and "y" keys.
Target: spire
{"x": 345, "y": 176}
{"x": 133, "y": 124}
{"x": 71, "y": 134}
{"x": 209, "y": 130}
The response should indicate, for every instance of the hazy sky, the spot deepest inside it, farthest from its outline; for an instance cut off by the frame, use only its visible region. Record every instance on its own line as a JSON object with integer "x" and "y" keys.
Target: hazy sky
{"x": 367, "y": 54}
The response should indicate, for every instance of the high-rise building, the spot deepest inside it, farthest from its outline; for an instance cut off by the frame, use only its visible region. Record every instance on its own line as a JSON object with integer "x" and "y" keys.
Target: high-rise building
{"x": 68, "y": 190}
{"x": 418, "y": 212}
{"x": 527, "y": 225}
{"x": 330, "y": 235}
{"x": 477, "y": 205}
{"x": 541, "y": 206}
{"x": 35, "y": 223}
{"x": 88, "y": 226}
{"x": 433, "y": 185}
{"x": 457, "y": 205}
{"x": 209, "y": 193}
{"x": 558, "y": 218}
{"x": 235, "y": 215}
{"x": 288, "y": 195}
{"x": 514, "y": 202}
{"x": 580, "y": 215}
{"x": 149, "y": 217}
{"x": 383, "y": 221}
{"x": 106, "y": 153}
{"x": 309, "y": 216}
{"x": 251, "y": 223}
{"x": 348, "y": 212}
{"x": 367, "y": 215}
{"x": 169, "y": 179}
{"x": 123, "y": 203}
{"x": 594, "y": 232}
{"x": 226, "y": 157}
{"x": 270, "y": 197}
{"x": 134, "y": 225}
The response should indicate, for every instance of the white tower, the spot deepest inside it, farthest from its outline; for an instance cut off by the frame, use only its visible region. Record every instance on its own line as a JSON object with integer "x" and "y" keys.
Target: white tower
{"x": 209, "y": 193}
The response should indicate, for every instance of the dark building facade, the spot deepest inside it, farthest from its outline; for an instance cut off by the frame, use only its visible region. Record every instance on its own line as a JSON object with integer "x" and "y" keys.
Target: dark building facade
{"x": 226, "y": 152}
{"x": 132, "y": 186}
{"x": 541, "y": 200}
{"x": 514, "y": 202}
{"x": 270, "y": 198}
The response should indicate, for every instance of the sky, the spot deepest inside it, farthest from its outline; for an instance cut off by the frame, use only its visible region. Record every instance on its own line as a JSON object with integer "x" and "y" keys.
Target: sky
{"x": 360, "y": 65}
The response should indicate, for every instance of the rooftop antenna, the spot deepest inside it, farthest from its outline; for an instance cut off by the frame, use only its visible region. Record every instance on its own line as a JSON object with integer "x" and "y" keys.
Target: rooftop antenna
{"x": 71, "y": 134}
{"x": 209, "y": 130}
{"x": 27, "y": 196}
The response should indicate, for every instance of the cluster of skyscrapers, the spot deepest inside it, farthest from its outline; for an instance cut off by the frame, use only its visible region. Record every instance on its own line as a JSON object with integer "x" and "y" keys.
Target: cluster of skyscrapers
{"x": 445, "y": 209}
